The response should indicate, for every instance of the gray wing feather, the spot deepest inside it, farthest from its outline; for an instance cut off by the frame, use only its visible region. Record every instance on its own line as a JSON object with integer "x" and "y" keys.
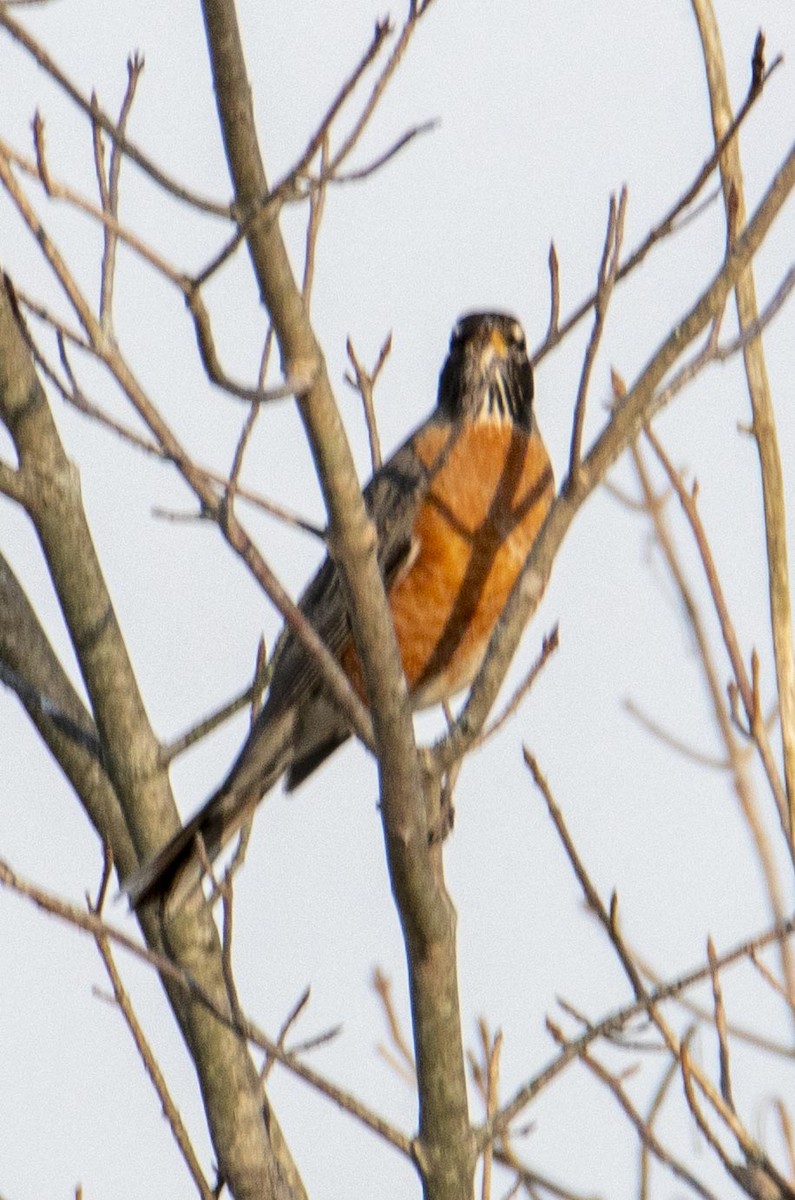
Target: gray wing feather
{"x": 298, "y": 726}
{"x": 392, "y": 499}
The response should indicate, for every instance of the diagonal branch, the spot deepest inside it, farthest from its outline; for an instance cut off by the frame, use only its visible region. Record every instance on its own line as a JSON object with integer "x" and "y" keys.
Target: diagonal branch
{"x": 748, "y": 690}
{"x": 155, "y": 173}
{"x": 445, "y": 1151}
{"x": 180, "y": 979}
{"x": 608, "y": 268}
{"x": 639, "y": 407}
{"x": 764, "y": 424}
{"x": 109, "y": 188}
{"x": 672, "y": 220}
{"x": 212, "y": 503}
{"x": 229, "y": 1081}
{"x": 618, "y": 1020}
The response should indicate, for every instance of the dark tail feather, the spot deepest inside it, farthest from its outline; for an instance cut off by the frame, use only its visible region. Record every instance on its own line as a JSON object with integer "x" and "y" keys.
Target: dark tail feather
{"x": 178, "y": 868}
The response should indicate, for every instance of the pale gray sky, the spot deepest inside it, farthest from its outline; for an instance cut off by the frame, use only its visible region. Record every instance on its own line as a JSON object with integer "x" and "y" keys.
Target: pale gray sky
{"x": 544, "y": 110}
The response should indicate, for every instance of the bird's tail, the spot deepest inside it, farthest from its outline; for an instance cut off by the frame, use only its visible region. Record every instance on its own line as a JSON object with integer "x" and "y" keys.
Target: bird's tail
{"x": 177, "y": 869}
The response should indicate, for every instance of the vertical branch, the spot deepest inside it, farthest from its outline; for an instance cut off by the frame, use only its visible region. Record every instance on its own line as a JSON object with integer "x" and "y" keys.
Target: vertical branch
{"x": 364, "y": 381}
{"x": 109, "y": 186}
{"x": 608, "y": 268}
{"x": 492, "y": 1049}
{"x": 764, "y": 425}
{"x": 317, "y": 202}
{"x": 554, "y": 293}
{"x": 131, "y": 756}
{"x": 721, "y": 1028}
{"x": 250, "y": 421}
{"x": 153, "y": 1070}
{"x": 445, "y": 1149}
{"x": 748, "y": 688}
{"x": 737, "y": 760}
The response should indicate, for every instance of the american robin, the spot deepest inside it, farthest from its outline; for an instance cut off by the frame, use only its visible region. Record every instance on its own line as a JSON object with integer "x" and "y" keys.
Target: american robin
{"x": 456, "y": 510}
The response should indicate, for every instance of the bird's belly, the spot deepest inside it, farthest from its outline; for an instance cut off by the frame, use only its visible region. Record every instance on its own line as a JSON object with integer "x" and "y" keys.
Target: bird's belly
{"x": 475, "y": 529}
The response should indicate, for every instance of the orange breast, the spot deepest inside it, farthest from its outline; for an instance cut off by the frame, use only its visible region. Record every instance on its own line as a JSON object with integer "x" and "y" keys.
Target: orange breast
{"x": 483, "y": 510}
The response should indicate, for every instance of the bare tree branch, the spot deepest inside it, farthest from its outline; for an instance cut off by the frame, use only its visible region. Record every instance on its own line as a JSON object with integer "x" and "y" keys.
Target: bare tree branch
{"x": 364, "y": 382}
{"x": 748, "y": 692}
{"x": 641, "y": 404}
{"x": 764, "y": 425}
{"x": 444, "y": 1151}
{"x": 158, "y": 176}
{"x": 672, "y": 220}
{"x": 152, "y": 1068}
{"x": 130, "y": 755}
{"x": 608, "y": 268}
{"x": 178, "y": 978}
{"x": 736, "y": 754}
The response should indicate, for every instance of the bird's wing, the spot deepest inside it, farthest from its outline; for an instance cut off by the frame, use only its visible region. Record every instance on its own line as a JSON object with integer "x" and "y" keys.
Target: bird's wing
{"x": 392, "y": 498}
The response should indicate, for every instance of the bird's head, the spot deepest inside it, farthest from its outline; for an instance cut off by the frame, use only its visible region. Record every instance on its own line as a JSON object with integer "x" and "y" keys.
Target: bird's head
{"x": 487, "y": 374}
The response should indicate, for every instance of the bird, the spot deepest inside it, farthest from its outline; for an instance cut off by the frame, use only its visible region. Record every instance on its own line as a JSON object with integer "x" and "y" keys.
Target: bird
{"x": 456, "y": 511}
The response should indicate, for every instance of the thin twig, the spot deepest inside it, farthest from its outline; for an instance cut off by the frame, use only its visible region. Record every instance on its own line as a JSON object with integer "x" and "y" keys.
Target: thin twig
{"x": 740, "y": 1033}
{"x": 415, "y": 13}
{"x": 205, "y": 340}
{"x": 75, "y": 396}
{"x": 764, "y": 417}
{"x": 94, "y": 925}
{"x": 608, "y": 268}
{"x": 98, "y": 147}
{"x": 646, "y": 1135}
{"x": 39, "y": 144}
{"x": 681, "y": 747}
{"x": 386, "y": 156}
{"x": 288, "y": 187}
{"x": 532, "y": 1181}
{"x": 201, "y": 729}
{"x": 787, "y": 1133}
{"x": 317, "y": 203}
{"x": 775, "y": 986}
{"x": 647, "y": 1002}
{"x": 749, "y": 698}
{"x": 158, "y": 176}
{"x": 549, "y": 645}
{"x": 287, "y": 1024}
{"x": 618, "y": 1020}
{"x": 381, "y": 32}
{"x": 109, "y": 189}
{"x": 721, "y": 1028}
{"x": 152, "y": 1068}
{"x": 492, "y": 1049}
{"x": 235, "y": 534}
{"x": 405, "y": 1065}
{"x": 669, "y": 1074}
{"x": 554, "y": 292}
{"x": 608, "y": 918}
{"x": 754, "y": 1154}
{"x": 104, "y": 881}
{"x": 737, "y": 753}
{"x": 364, "y": 382}
{"x": 756, "y": 1159}
{"x": 754, "y": 328}
{"x": 249, "y": 423}
{"x": 666, "y": 225}
{"x": 60, "y": 191}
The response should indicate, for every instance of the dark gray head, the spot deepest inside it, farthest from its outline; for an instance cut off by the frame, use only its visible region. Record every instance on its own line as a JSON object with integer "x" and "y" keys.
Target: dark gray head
{"x": 487, "y": 374}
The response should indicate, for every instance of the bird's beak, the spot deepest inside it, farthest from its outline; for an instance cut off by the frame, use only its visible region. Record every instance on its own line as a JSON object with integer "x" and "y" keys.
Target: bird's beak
{"x": 497, "y": 343}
